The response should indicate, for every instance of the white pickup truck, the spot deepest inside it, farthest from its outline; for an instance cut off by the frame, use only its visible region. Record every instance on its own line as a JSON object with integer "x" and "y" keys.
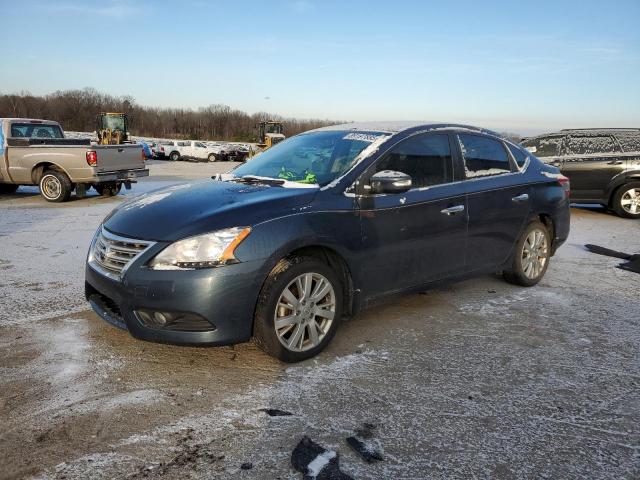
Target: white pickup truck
{"x": 35, "y": 152}
{"x": 190, "y": 150}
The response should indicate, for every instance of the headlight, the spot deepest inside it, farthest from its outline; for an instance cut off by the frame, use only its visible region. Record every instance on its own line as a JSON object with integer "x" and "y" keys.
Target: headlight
{"x": 202, "y": 251}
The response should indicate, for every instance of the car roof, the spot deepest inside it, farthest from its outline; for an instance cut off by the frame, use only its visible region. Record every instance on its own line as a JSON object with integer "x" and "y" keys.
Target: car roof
{"x": 585, "y": 131}
{"x": 394, "y": 127}
{"x": 36, "y": 121}
{"x": 599, "y": 130}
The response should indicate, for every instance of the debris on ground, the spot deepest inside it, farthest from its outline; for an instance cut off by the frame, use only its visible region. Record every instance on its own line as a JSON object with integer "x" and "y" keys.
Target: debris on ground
{"x": 367, "y": 451}
{"x": 274, "y": 412}
{"x": 633, "y": 260}
{"x": 246, "y": 466}
{"x": 361, "y": 443}
{"x": 316, "y": 462}
{"x": 188, "y": 455}
{"x": 366, "y": 431}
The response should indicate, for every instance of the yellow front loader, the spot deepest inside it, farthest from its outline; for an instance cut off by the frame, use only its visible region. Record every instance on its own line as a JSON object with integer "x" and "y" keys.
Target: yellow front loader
{"x": 270, "y": 133}
{"x": 112, "y": 128}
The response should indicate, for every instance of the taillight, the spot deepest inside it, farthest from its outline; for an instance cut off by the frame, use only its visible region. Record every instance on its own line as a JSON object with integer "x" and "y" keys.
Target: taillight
{"x": 144, "y": 157}
{"x": 92, "y": 158}
{"x": 564, "y": 182}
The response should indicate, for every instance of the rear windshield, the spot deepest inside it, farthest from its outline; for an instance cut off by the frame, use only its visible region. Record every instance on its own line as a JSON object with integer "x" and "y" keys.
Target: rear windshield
{"x": 34, "y": 130}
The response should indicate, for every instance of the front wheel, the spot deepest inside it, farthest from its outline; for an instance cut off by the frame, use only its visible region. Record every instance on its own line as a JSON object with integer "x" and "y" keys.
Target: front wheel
{"x": 298, "y": 310}
{"x": 531, "y": 257}
{"x": 212, "y": 157}
{"x": 175, "y": 156}
{"x": 55, "y": 186}
{"x": 626, "y": 201}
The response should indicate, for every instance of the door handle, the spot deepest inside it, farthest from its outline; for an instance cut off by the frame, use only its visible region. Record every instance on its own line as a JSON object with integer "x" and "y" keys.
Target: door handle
{"x": 520, "y": 198}
{"x": 615, "y": 162}
{"x": 452, "y": 210}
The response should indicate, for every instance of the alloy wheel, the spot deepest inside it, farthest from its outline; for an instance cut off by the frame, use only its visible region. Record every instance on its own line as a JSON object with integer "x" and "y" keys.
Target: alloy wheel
{"x": 630, "y": 201}
{"x": 535, "y": 254}
{"x": 305, "y": 312}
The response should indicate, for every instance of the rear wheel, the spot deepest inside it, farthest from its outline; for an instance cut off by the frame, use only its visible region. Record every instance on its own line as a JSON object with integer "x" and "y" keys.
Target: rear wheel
{"x": 55, "y": 186}
{"x": 298, "y": 310}
{"x": 8, "y": 188}
{"x": 531, "y": 257}
{"x": 626, "y": 201}
{"x": 175, "y": 156}
{"x": 109, "y": 189}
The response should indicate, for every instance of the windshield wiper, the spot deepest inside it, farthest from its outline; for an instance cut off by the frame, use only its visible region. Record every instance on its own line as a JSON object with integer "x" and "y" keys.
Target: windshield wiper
{"x": 251, "y": 179}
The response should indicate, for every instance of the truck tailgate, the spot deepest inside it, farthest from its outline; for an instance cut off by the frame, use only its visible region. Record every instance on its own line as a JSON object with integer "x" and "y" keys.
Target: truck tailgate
{"x": 118, "y": 157}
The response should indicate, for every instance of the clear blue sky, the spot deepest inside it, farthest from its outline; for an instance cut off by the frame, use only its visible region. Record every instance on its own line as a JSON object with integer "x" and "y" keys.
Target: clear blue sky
{"x": 522, "y": 66}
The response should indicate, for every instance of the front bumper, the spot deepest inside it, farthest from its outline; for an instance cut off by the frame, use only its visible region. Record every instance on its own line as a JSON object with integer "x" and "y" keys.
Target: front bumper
{"x": 224, "y": 296}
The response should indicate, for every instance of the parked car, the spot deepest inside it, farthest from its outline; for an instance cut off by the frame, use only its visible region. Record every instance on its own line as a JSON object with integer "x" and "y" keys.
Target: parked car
{"x": 155, "y": 149}
{"x": 320, "y": 226}
{"x": 36, "y": 152}
{"x": 190, "y": 150}
{"x": 234, "y": 152}
{"x": 146, "y": 150}
{"x": 602, "y": 164}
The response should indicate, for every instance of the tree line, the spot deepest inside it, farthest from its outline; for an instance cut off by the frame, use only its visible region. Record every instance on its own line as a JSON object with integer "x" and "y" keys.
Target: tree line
{"x": 76, "y": 110}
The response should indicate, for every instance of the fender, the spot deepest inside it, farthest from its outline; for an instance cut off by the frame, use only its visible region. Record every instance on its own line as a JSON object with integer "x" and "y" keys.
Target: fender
{"x": 36, "y": 171}
{"x": 617, "y": 181}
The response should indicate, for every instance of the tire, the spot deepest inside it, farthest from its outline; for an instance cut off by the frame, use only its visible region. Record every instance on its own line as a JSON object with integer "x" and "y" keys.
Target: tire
{"x": 109, "y": 189}
{"x": 55, "y": 186}
{"x": 283, "y": 277}
{"x": 626, "y": 200}
{"x": 174, "y": 157}
{"x": 212, "y": 157}
{"x": 522, "y": 272}
{"x": 8, "y": 188}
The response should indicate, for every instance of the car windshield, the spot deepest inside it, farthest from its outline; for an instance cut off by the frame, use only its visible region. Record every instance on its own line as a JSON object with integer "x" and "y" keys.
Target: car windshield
{"x": 315, "y": 158}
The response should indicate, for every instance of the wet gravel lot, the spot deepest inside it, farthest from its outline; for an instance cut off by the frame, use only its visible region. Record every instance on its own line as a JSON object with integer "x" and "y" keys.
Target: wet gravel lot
{"x": 480, "y": 379}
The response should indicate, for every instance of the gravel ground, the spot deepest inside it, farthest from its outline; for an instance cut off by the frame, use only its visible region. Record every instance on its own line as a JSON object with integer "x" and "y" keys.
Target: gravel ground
{"x": 479, "y": 379}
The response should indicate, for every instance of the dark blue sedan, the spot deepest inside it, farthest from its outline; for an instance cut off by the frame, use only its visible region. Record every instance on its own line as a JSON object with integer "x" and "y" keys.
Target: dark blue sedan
{"x": 321, "y": 226}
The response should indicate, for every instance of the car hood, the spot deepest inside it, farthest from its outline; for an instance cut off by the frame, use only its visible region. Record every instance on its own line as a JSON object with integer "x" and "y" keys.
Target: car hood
{"x": 188, "y": 209}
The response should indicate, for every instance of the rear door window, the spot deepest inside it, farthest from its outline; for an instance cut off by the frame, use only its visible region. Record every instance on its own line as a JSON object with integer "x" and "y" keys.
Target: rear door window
{"x": 483, "y": 156}
{"x": 425, "y": 158}
{"x": 543, "y": 146}
{"x": 590, "y": 144}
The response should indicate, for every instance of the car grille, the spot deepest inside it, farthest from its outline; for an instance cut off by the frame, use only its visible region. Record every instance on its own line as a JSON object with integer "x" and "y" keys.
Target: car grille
{"x": 112, "y": 254}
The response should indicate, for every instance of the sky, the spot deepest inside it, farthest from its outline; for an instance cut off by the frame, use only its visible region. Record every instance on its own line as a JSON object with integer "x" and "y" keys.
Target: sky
{"x": 526, "y": 67}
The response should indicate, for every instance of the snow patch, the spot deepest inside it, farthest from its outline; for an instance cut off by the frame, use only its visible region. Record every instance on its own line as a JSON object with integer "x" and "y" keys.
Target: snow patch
{"x": 317, "y": 464}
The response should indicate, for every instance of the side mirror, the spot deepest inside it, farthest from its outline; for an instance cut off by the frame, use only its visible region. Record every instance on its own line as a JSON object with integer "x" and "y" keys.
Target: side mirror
{"x": 389, "y": 181}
